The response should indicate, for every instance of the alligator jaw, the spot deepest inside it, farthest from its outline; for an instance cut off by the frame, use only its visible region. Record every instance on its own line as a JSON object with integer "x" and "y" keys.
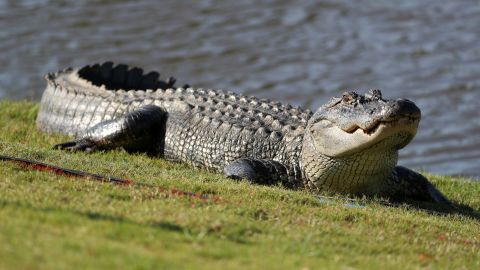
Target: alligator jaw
{"x": 333, "y": 141}
{"x": 374, "y": 127}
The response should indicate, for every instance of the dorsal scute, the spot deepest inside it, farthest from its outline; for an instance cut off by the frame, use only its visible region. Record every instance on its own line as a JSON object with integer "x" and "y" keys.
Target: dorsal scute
{"x": 126, "y": 84}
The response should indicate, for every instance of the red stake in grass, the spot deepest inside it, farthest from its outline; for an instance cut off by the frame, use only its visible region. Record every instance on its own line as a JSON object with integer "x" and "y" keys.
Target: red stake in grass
{"x": 39, "y": 166}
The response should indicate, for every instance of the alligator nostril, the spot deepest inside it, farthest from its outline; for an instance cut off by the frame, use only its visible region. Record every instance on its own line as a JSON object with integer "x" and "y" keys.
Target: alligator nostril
{"x": 404, "y": 107}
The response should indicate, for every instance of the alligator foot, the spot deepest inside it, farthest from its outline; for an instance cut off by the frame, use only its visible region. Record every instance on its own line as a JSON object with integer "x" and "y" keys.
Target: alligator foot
{"x": 410, "y": 185}
{"x": 77, "y": 145}
{"x": 142, "y": 130}
{"x": 260, "y": 171}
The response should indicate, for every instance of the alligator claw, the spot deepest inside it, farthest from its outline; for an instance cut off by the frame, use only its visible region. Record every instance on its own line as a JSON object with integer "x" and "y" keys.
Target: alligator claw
{"x": 76, "y": 146}
{"x": 437, "y": 196}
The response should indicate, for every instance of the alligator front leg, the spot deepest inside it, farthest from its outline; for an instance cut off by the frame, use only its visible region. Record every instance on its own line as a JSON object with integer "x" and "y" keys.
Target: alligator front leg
{"x": 262, "y": 171}
{"x": 142, "y": 130}
{"x": 406, "y": 184}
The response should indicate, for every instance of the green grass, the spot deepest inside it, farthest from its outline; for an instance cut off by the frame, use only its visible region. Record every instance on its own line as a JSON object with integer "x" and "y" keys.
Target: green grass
{"x": 49, "y": 221}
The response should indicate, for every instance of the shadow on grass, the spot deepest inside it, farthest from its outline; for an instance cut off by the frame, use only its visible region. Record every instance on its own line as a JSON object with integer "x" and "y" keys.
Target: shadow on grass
{"x": 237, "y": 235}
{"x": 428, "y": 207}
{"x": 445, "y": 209}
{"x": 168, "y": 226}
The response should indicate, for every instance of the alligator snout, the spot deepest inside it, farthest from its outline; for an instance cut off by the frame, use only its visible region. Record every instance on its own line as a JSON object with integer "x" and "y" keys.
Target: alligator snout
{"x": 401, "y": 108}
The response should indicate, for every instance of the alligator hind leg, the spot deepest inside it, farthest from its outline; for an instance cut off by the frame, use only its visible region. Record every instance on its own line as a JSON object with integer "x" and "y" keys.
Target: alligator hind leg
{"x": 142, "y": 130}
{"x": 406, "y": 184}
{"x": 262, "y": 171}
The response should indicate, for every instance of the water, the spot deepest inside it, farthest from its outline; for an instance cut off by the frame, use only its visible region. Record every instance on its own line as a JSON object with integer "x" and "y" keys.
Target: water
{"x": 300, "y": 52}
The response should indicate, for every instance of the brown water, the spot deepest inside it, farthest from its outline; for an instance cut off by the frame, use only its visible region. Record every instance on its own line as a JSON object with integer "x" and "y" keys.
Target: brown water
{"x": 300, "y": 52}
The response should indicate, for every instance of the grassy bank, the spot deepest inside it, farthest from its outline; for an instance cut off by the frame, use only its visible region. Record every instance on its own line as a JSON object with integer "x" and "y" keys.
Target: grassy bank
{"x": 51, "y": 221}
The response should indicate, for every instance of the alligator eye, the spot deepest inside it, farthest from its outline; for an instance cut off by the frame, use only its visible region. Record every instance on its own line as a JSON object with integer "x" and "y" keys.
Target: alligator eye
{"x": 346, "y": 98}
{"x": 349, "y": 97}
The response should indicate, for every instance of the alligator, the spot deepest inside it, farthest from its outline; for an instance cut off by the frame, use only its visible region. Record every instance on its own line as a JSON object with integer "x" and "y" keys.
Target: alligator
{"x": 348, "y": 146}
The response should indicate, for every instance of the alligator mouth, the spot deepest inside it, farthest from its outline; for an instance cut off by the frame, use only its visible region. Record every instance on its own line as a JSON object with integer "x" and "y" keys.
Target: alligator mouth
{"x": 407, "y": 122}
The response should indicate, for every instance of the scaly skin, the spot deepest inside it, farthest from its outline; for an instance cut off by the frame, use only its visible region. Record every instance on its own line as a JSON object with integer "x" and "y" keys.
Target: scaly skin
{"x": 349, "y": 145}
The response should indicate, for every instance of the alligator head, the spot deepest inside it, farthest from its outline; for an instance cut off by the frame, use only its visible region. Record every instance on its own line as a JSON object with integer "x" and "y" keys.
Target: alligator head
{"x": 358, "y": 131}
